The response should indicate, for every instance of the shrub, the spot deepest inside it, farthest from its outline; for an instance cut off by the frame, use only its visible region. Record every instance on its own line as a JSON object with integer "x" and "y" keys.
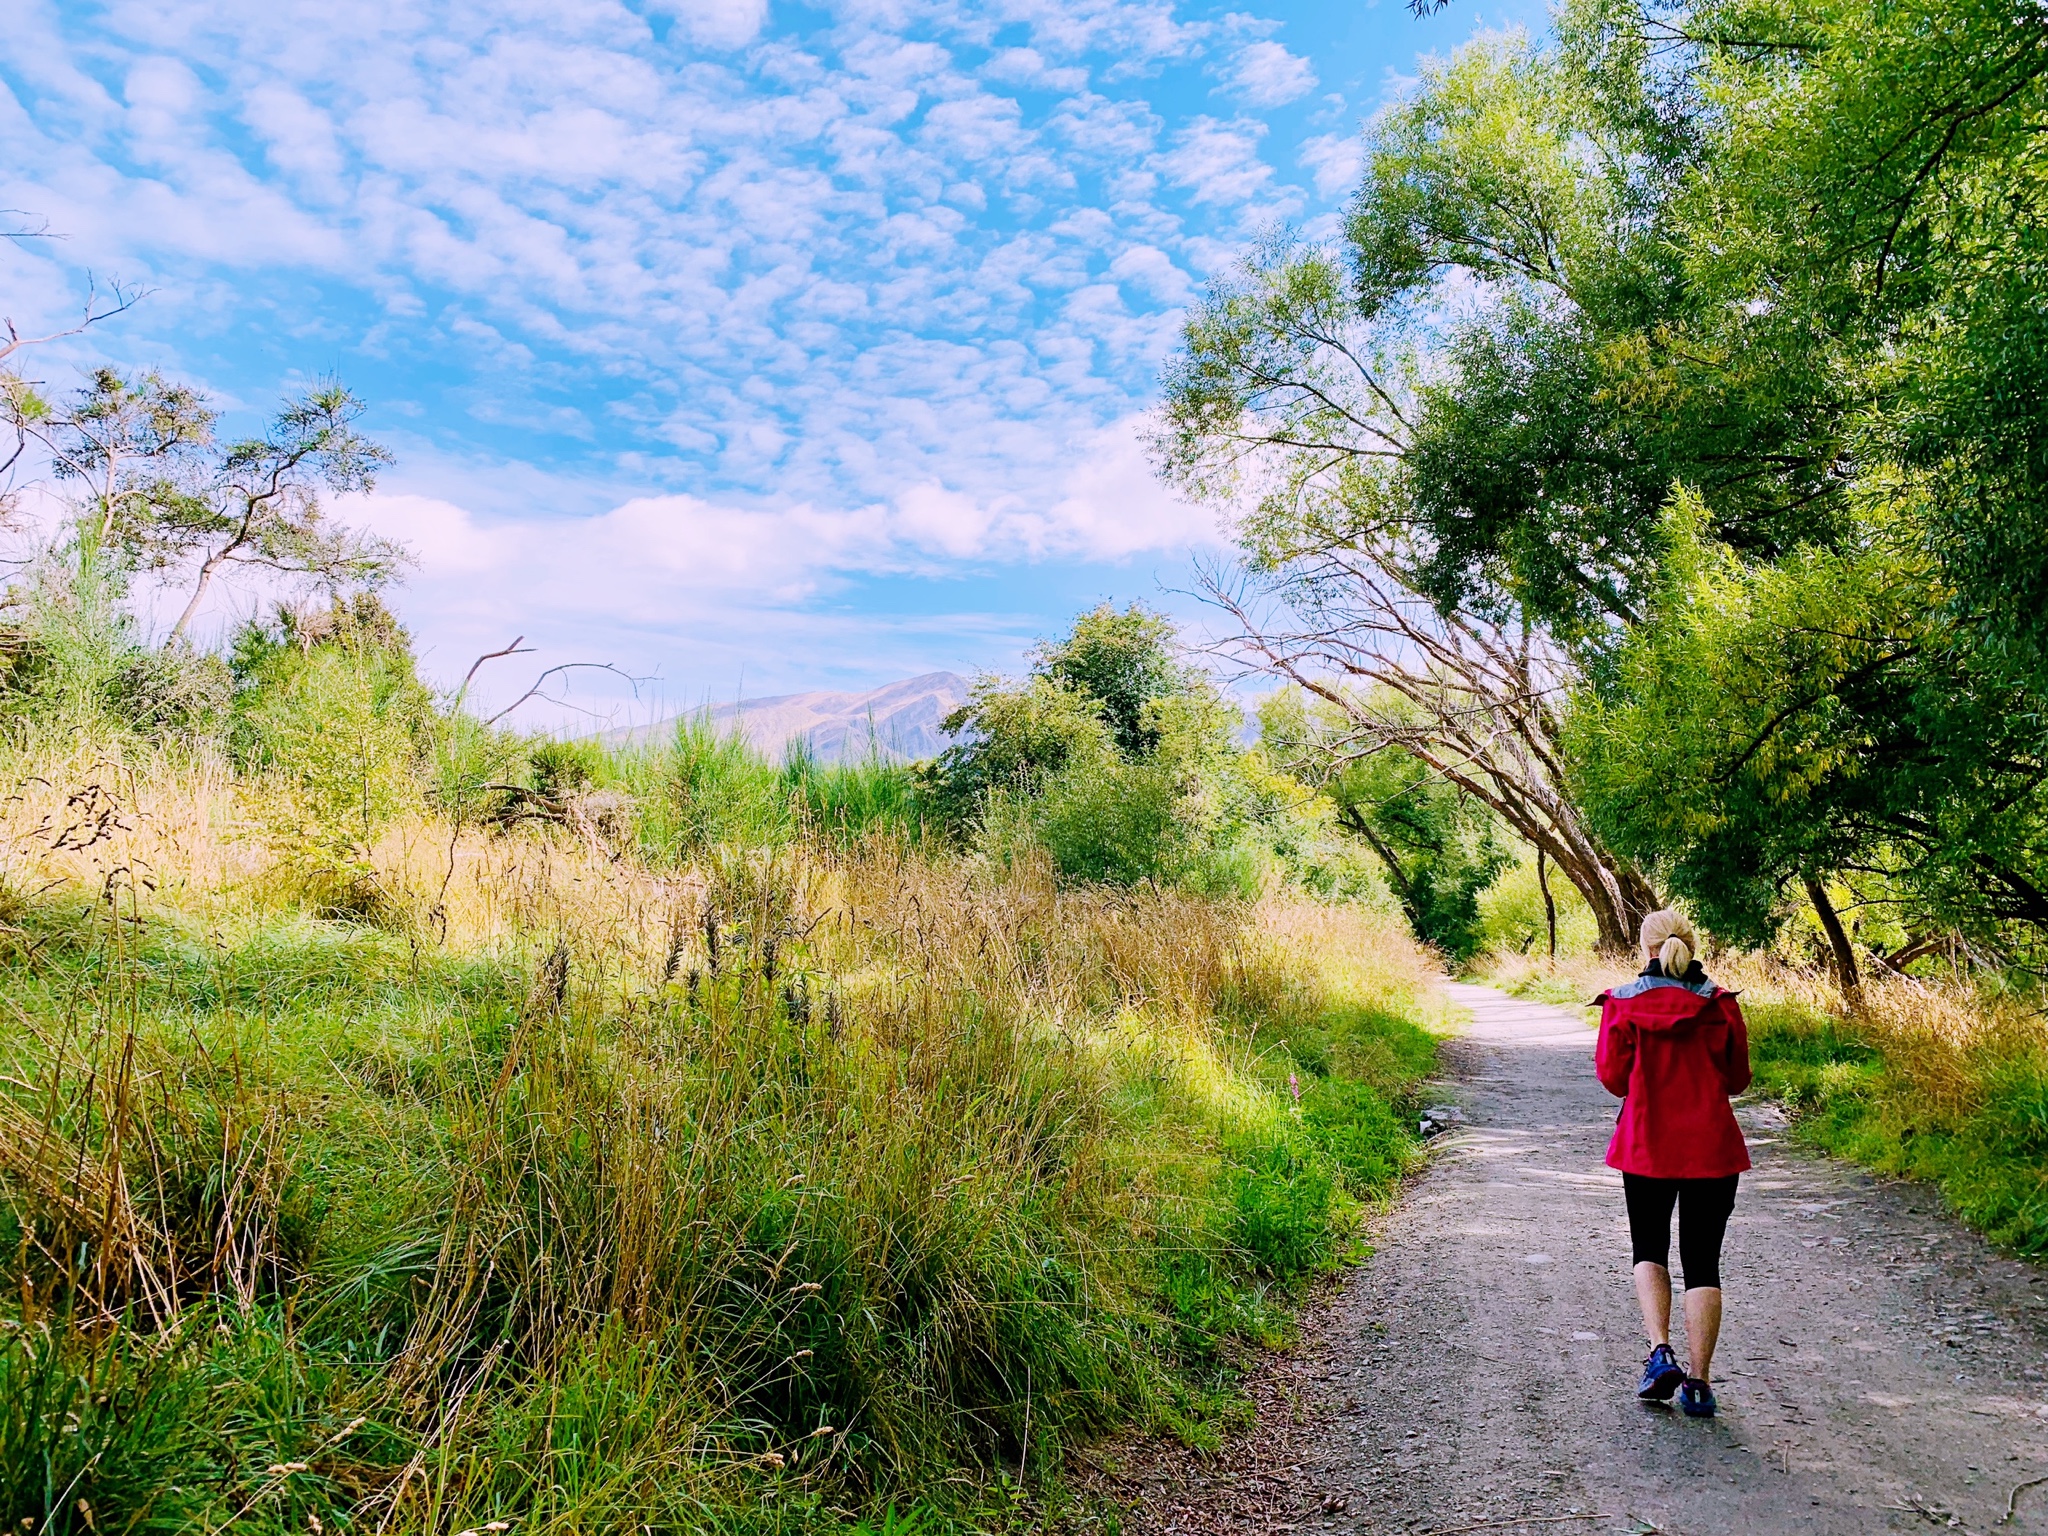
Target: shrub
{"x": 1103, "y": 819}
{"x": 73, "y": 664}
{"x": 338, "y": 742}
{"x": 1512, "y": 918}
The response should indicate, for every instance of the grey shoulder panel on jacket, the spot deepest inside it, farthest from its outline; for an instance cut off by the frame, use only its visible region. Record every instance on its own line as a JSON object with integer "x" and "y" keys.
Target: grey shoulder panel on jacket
{"x": 1644, "y": 984}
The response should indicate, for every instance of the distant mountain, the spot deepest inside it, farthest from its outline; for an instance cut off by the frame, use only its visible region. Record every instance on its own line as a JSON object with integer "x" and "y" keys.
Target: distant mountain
{"x": 901, "y": 720}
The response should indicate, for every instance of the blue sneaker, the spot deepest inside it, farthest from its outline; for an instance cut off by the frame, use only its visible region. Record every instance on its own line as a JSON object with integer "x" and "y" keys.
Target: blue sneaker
{"x": 1696, "y": 1398}
{"x": 1661, "y": 1376}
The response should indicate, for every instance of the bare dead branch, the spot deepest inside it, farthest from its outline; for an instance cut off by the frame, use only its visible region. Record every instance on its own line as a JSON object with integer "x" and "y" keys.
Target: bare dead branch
{"x": 535, "y": 692}
{"x": 118, "y": 301}
{"x": 518, "y": 647}
{"x": 1474, "y": 700}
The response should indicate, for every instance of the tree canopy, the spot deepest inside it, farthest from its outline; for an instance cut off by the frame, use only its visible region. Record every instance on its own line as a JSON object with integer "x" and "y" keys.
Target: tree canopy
{"x": 1708, "y": 345}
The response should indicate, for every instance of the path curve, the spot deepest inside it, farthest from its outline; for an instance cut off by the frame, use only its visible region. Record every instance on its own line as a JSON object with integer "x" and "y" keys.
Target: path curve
{"x": 1881, "y": 1369}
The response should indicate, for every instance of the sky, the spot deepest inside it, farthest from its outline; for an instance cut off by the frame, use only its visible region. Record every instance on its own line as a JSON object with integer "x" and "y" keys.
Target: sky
{"x": 746, "y": 345}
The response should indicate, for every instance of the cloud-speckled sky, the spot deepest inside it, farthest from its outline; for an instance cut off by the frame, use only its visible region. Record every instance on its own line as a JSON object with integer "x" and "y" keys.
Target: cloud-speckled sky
{"x": 740, "y": 342}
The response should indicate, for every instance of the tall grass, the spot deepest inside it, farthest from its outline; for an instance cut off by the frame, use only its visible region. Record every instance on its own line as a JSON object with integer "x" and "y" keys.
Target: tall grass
{"x": 705, "y": 788}
{"x": 743, "y": 1167}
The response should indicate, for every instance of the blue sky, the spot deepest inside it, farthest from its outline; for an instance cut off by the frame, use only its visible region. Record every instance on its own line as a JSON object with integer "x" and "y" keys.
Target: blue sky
{"x": 738, "y": 342}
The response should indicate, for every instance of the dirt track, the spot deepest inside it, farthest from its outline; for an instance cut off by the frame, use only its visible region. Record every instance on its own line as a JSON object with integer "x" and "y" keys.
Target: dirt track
{"x": 1880, "y": 1369}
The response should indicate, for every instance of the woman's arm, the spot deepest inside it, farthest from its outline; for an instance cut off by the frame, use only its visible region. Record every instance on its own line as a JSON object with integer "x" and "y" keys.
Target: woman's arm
{"x": 1614, "y": 1056}
{"x": 1735, "y": 1071}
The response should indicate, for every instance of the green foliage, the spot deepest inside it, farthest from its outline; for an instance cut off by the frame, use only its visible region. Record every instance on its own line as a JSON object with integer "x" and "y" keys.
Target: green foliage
{"x": 1278, "y": 1212}
{"x": 1512, "y": 916}
{"x": 1014, "y": 739}
{"x": 1124, "y": 662}
{"x": 157, "y": 493}
{"x": 1439, "y": 847}
{"x": 98, "y": 1436}
{"x": 1117, "y": 758}
{"x": 1774, "y": 720}
{"x": 1747, "y": 417}
{"x": 850, "y": 800}
{"x": 557, "y": 769}
{"x": 330, "y": 713}
{"x": 1102, "y": 818}
{"x": 1883, "y": 184}
{"x": 77, "y": 666}
{"x": 702, "y": 789}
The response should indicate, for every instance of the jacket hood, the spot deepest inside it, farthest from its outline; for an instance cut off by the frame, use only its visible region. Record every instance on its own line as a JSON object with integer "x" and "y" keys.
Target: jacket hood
{"x": 1669, "y": 1008}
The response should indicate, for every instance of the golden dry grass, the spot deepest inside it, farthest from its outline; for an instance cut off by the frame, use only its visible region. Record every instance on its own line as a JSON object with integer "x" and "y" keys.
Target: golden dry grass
{"x": 824, "y": 1132}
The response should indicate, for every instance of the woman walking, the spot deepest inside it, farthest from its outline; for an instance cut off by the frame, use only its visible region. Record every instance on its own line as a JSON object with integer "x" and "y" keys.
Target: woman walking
{"x": 1674, "y": 1049}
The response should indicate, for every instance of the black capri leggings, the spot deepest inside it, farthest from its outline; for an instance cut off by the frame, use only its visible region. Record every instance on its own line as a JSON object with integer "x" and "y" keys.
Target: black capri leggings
{"x": 1704, "y": 1206}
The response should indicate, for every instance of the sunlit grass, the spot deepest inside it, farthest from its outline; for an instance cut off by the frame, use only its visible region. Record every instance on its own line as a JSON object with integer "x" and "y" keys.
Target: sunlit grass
{"x": 759, "y": 1173}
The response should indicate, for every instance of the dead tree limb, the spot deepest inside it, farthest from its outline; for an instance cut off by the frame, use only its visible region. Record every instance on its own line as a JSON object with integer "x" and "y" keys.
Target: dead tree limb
{"x": 1478, "y": 702}
{"x": 568, "y": 666}
{"x": 518, "y": 647}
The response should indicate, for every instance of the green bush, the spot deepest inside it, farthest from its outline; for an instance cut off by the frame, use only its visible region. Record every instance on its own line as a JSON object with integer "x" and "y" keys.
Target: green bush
{"x": 702, "y": 789}
{"x": 73, "y": 664}
{"x": 340, "y": 740}
{"x": 850, "y": 800}
{"x": 1107, "y": 820}
{"x": 1512, "y": 918}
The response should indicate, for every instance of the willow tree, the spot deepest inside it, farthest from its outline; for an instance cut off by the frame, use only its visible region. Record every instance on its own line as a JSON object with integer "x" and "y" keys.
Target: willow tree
{"x": 1782, "y": 265}
{"x": 1431, "y": 494}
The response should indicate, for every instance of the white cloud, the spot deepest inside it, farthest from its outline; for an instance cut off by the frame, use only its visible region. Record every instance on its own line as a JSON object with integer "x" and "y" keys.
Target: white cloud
{"x": 746, "y": 302}
{"x": 1116, "y": 507}
{"x": 1028, "y": 67}
{"x": 1334, "y": 160}
{"x": 714, "y": 579}
{"x": 641, "y": 556}
{"x": 718, "y": 23}
{"x": 1265, "y": 74}
{"x": 1217, "y": 162}
{"x": 1153, "y": 272}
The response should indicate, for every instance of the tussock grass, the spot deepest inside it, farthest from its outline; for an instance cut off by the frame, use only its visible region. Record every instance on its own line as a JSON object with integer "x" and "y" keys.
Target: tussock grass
{"x": 1938, "y": 1080}
{"x": 775, "y": 1178}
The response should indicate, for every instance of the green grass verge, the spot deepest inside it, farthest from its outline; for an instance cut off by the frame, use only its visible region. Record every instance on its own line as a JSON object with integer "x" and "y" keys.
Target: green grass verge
{"x": 405, "y": 1250}
{"x": 1989, "y": 1157}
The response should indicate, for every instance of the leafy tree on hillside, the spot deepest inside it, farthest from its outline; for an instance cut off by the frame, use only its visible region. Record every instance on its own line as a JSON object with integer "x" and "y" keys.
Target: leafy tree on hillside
{"x": 1014, "y": 738}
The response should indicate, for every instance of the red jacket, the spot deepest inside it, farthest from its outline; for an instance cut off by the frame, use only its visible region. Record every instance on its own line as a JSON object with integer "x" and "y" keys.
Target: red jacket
{"x": 1674, "y": 1058}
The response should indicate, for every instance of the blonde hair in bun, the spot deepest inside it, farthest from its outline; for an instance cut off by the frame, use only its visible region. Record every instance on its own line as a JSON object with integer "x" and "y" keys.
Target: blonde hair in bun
{"x": 1668, "y": 938}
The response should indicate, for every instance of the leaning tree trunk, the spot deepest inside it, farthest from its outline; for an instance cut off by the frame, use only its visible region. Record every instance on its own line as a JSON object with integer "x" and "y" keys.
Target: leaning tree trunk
{"x": 1474, "y": 700}
{"x": 1839, "y": 948}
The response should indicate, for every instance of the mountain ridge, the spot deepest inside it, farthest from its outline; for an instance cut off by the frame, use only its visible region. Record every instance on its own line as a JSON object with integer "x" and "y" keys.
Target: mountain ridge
{"x": 899, "y": 721}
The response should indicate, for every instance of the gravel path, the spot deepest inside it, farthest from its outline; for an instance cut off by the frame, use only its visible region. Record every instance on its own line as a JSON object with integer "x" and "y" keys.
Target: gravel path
{"x": 1880, "y": 1369}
